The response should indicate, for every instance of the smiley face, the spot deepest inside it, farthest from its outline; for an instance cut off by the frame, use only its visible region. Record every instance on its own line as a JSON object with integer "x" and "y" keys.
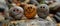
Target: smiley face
{"x": 43, "y": 10}
{"x": 17, "y": 12}
{"x": 30, "y": 11}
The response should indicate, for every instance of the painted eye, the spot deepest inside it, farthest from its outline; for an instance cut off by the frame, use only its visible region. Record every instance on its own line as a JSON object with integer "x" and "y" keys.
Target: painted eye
{"x": 14, "y": 10}
{"x": 31, "y": 7}
{"x": 43, "y": 7}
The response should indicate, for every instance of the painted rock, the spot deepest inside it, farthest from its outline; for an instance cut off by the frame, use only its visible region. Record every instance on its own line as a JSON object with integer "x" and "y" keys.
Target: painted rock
{"x": 43, "y": 11}
{"x": 16, "y": 12}
{"x": 30, "y": 11}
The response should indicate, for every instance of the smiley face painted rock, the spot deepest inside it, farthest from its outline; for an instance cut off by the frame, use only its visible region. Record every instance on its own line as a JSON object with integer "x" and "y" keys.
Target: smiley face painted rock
{"x": 43, "y": 11}
{"x": 16, "y": 12}
{"x": 30, "y": 11}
